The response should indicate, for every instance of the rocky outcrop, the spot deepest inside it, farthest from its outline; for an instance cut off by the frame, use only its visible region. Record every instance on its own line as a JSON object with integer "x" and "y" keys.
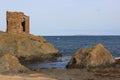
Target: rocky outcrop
{"x": 91, "y": 57}
{"x": 10, "y": 63}
{"x": 27, "y": 47}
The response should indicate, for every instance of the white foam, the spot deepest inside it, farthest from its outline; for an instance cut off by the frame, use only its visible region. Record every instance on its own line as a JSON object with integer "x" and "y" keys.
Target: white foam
{"x": 117, "y": 57}
{"x": 64, "y": 58}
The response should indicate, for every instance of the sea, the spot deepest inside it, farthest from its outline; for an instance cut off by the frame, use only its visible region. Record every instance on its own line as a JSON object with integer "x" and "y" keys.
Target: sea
{"x": 68, "y": 45}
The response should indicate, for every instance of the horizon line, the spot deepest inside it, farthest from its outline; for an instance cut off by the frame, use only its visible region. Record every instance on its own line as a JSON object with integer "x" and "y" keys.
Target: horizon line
{"x": 81, "y": 35}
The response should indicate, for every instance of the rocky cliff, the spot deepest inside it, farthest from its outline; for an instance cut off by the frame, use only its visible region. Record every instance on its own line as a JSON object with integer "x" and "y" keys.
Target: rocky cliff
{"x": 27, "y": 47}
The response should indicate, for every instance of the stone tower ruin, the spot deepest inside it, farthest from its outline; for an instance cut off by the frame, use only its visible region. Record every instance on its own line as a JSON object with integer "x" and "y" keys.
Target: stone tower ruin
{"x": 17, "y": 22}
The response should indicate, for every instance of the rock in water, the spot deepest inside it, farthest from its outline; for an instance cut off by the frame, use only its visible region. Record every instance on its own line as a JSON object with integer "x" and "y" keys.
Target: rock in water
{"x": 91, "y": 57}
{"x": 10, "y": 63}
{"x": 27, "y": 47}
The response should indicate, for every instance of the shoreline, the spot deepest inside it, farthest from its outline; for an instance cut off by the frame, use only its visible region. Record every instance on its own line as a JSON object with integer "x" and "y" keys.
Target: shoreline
{"x": 106, "y": 73}
{"x": 109, "y": 73}
{"x": 61, "y": 74}
{"x": 60, "y": 64}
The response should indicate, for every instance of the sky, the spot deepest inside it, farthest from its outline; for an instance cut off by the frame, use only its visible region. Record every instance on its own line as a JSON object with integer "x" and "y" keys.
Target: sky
{"x": 66, "y": 17}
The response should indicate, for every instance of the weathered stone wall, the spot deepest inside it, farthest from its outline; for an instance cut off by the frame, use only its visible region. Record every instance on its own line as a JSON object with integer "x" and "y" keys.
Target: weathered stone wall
{"x": 17, "y": 22}
{"x": 26, "y": 24}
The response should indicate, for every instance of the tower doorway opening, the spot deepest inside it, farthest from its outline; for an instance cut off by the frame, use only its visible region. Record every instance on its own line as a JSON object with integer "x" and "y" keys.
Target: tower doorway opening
{"x": 23, "y": 26}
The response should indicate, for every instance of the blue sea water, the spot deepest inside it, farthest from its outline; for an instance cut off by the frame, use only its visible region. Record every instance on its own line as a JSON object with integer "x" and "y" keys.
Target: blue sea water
{"x": 68, "y": 45}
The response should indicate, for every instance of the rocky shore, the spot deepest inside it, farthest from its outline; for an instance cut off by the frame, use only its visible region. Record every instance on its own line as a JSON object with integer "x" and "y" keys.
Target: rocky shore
{"x": 61, "y": 74}
{"x": 95, "y": 63}
{"x": 19, "y": 49}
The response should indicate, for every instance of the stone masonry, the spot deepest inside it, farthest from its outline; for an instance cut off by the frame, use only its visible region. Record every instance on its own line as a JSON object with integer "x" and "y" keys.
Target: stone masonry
{"x": 17, "y": 22}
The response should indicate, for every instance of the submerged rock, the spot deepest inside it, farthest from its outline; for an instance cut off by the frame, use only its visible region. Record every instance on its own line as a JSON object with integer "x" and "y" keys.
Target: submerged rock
{"x": 91, "y": 57}
{"x": 10, "y": 63}
{"x": 27, "y": 47}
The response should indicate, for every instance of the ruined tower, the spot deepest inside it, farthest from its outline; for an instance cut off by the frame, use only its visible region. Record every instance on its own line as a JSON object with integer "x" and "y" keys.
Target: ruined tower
{"x": 17, "y": 22}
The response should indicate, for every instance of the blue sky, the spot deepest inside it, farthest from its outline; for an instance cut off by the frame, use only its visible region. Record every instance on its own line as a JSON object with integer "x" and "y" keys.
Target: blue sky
{"x": 66, "y": 17}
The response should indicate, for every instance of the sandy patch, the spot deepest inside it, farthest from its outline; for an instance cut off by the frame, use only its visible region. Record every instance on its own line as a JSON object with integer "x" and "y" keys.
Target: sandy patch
{"x": 29, "y": 77}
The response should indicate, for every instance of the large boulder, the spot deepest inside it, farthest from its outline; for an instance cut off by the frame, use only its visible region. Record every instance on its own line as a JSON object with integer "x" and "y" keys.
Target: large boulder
{"x": 91, "y": 57}
{"x": 10, "y": 63}
{"x": 27, "y": 47}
